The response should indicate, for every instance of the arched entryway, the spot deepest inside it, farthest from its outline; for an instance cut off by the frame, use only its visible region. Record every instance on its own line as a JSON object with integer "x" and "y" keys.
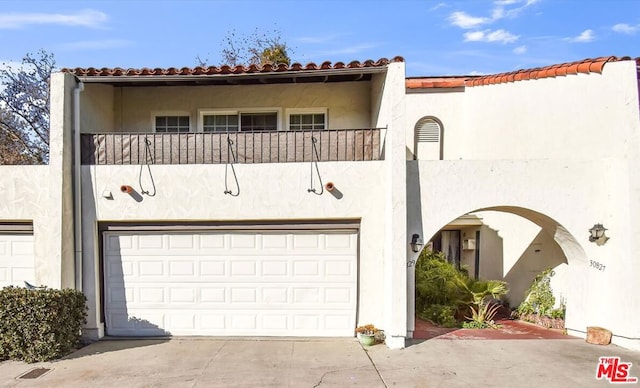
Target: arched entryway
{"x": 507, "y": 243}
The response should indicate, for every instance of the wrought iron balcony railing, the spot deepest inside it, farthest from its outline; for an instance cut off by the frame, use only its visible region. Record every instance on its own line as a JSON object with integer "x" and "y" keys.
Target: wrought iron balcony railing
{"x": 235, "y": 147}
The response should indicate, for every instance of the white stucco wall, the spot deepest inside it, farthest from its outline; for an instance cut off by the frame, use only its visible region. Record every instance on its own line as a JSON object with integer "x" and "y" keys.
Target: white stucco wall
{"x": 130, "y": 109}
{"x": 448, "y": 106}
{"x": 537, "y": 119}
{"x": 556, "y": 124}
{"x": 391, "y": 114}
{"x": 97, "y": 109}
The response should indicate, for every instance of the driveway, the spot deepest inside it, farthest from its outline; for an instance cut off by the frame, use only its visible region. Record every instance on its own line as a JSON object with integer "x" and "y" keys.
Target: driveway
{"x": 216, "y": 362}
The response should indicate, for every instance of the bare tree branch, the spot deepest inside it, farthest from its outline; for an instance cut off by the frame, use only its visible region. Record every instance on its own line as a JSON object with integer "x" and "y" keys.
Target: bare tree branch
{"x": 257, "y": 48}
{"x": 24, "y": 109}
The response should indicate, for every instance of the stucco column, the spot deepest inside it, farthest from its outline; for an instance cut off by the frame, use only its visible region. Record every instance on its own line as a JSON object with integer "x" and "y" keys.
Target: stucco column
{"x": 54, "y": 242}
{"x": 395, "y": 269}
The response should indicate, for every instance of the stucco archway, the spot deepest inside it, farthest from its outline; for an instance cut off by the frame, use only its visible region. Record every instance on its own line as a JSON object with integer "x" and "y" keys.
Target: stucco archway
{"x": 539, "y": 240}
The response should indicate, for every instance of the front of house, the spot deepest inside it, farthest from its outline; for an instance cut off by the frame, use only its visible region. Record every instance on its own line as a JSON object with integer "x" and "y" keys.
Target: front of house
{"x": 282, "y": 201}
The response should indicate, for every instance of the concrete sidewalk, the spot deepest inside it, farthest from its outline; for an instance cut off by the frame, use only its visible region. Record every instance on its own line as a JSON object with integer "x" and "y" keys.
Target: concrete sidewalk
{"x": 217, "y": 362}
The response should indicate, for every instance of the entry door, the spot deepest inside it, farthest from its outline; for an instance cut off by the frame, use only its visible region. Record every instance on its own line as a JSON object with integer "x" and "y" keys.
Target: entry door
{"x": 448, "y": 242}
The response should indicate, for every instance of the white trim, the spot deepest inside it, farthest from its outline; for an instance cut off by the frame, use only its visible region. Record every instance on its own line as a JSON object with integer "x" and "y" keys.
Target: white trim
{"x": 229, "y": 111}
{"x": 320, "y": 110}
{"x": 156, "y": 113}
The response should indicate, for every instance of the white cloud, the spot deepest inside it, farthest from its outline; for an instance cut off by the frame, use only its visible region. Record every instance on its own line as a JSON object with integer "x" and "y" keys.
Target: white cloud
{"x": 463, "y": 20}
{"x": 520, "y": 50}
{"x": 476, "y": 72}
{"x": 95, "y": 44}
{"x": 497, "y": 13}
{"x": 624, "y": 28}
{"x": 500, "y": 11}
{"x": 85, "y": 18}
{"x": 438, "y": 6}
{"x": 584, "y": 37}
{"x": 500, "y": 36}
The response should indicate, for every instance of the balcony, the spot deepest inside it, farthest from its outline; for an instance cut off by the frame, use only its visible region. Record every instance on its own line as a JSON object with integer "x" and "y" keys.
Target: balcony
{"x": 231, "y": 147}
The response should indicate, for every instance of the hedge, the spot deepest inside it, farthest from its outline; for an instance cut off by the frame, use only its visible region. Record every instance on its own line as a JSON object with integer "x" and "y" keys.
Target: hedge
{"x": 40, "y": 325}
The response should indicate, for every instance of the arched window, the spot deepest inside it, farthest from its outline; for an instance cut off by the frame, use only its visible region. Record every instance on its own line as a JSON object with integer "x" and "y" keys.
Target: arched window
{"x": 428, "y": 139}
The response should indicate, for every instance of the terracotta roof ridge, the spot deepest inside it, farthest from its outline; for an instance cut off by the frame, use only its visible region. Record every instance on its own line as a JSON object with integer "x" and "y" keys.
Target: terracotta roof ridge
{"x": 585, "y": 66}
{"x": 227, "y": 69}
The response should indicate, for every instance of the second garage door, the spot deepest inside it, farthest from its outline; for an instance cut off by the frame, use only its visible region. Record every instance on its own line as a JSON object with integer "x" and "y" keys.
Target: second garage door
{"x": 231, "y": 283}
{"x": 17, "y": 263}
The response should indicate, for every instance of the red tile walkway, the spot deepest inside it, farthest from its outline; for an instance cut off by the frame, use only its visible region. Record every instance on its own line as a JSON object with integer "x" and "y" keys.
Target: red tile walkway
{"x": 509, "y": 330}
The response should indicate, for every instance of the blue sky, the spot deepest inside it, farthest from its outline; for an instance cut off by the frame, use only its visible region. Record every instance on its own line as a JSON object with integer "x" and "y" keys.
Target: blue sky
{"x": 434, "y": 37}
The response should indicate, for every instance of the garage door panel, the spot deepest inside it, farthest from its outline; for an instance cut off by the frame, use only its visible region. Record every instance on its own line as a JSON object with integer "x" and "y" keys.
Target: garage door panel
{"x": 17, "y": 261}
{"x": 229, "y": 323}
{"x": 231, "y": 283}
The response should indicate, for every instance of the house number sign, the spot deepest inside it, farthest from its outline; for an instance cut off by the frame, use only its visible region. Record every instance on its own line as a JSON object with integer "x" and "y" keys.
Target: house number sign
{"x": 597, "y": 265}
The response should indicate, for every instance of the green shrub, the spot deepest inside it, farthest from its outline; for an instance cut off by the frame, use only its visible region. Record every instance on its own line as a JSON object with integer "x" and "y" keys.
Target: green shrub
{"x": 441, "y": 315}
{"x": 40, "y": 325}
{"x": 540, "y": 299}
{"x": 437, "y": 281}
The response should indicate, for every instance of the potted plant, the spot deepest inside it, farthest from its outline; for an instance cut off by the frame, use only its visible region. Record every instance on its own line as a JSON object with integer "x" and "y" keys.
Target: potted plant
{"x": 367, "y": 334}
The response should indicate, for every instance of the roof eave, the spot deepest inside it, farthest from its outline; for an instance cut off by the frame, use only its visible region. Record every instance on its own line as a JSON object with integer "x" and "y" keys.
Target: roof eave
{"x": 222, "y": 77}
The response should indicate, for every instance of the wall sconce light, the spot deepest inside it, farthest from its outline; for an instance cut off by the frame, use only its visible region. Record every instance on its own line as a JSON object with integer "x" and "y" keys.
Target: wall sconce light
{"x": 416, "y": 243}
{"x": 597, "y": 234}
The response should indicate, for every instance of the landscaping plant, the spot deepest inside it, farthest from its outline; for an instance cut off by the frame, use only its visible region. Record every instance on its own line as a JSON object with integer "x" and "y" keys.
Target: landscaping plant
{"x": 39, "y": 325}
{"x": 443, "y": 292}
{"x": 539, "y": 305}
{"x": 481, "y": 293}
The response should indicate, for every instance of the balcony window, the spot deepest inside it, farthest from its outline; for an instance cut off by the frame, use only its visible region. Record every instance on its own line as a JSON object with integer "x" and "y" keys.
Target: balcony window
{"x": 171, "y": 124}
{"x": 310, "y": 119}
{"x": 220, "y": 123}
{"x": 239, "y": 121}
{"x": 259, "y": 121}
{"x": 306, "y": 121}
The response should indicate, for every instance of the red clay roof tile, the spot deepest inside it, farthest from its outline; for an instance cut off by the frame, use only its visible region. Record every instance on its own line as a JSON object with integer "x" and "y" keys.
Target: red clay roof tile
{"x": 225, "y": 69}
{"x": 585, "y": 66}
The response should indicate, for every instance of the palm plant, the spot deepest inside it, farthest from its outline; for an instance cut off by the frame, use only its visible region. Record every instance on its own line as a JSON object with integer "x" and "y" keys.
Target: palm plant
{"x": 478, "y": 295}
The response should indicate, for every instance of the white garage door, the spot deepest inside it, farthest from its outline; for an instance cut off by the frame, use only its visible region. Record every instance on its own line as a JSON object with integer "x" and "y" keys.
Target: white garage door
{"x": 224, "y": 283}
{"x": 17, "y": 263}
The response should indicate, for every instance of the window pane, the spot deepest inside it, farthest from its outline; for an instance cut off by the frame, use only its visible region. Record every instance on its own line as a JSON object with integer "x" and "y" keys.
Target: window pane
{"x": 271, "y": 119}
{"x": 172, "y": 124}
{"x": 259, "y": 121}
{"x": 313, "y": 121}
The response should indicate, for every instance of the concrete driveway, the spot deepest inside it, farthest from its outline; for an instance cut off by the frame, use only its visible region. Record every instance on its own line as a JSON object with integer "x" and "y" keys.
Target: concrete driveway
{"x": 216, "y": 362}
